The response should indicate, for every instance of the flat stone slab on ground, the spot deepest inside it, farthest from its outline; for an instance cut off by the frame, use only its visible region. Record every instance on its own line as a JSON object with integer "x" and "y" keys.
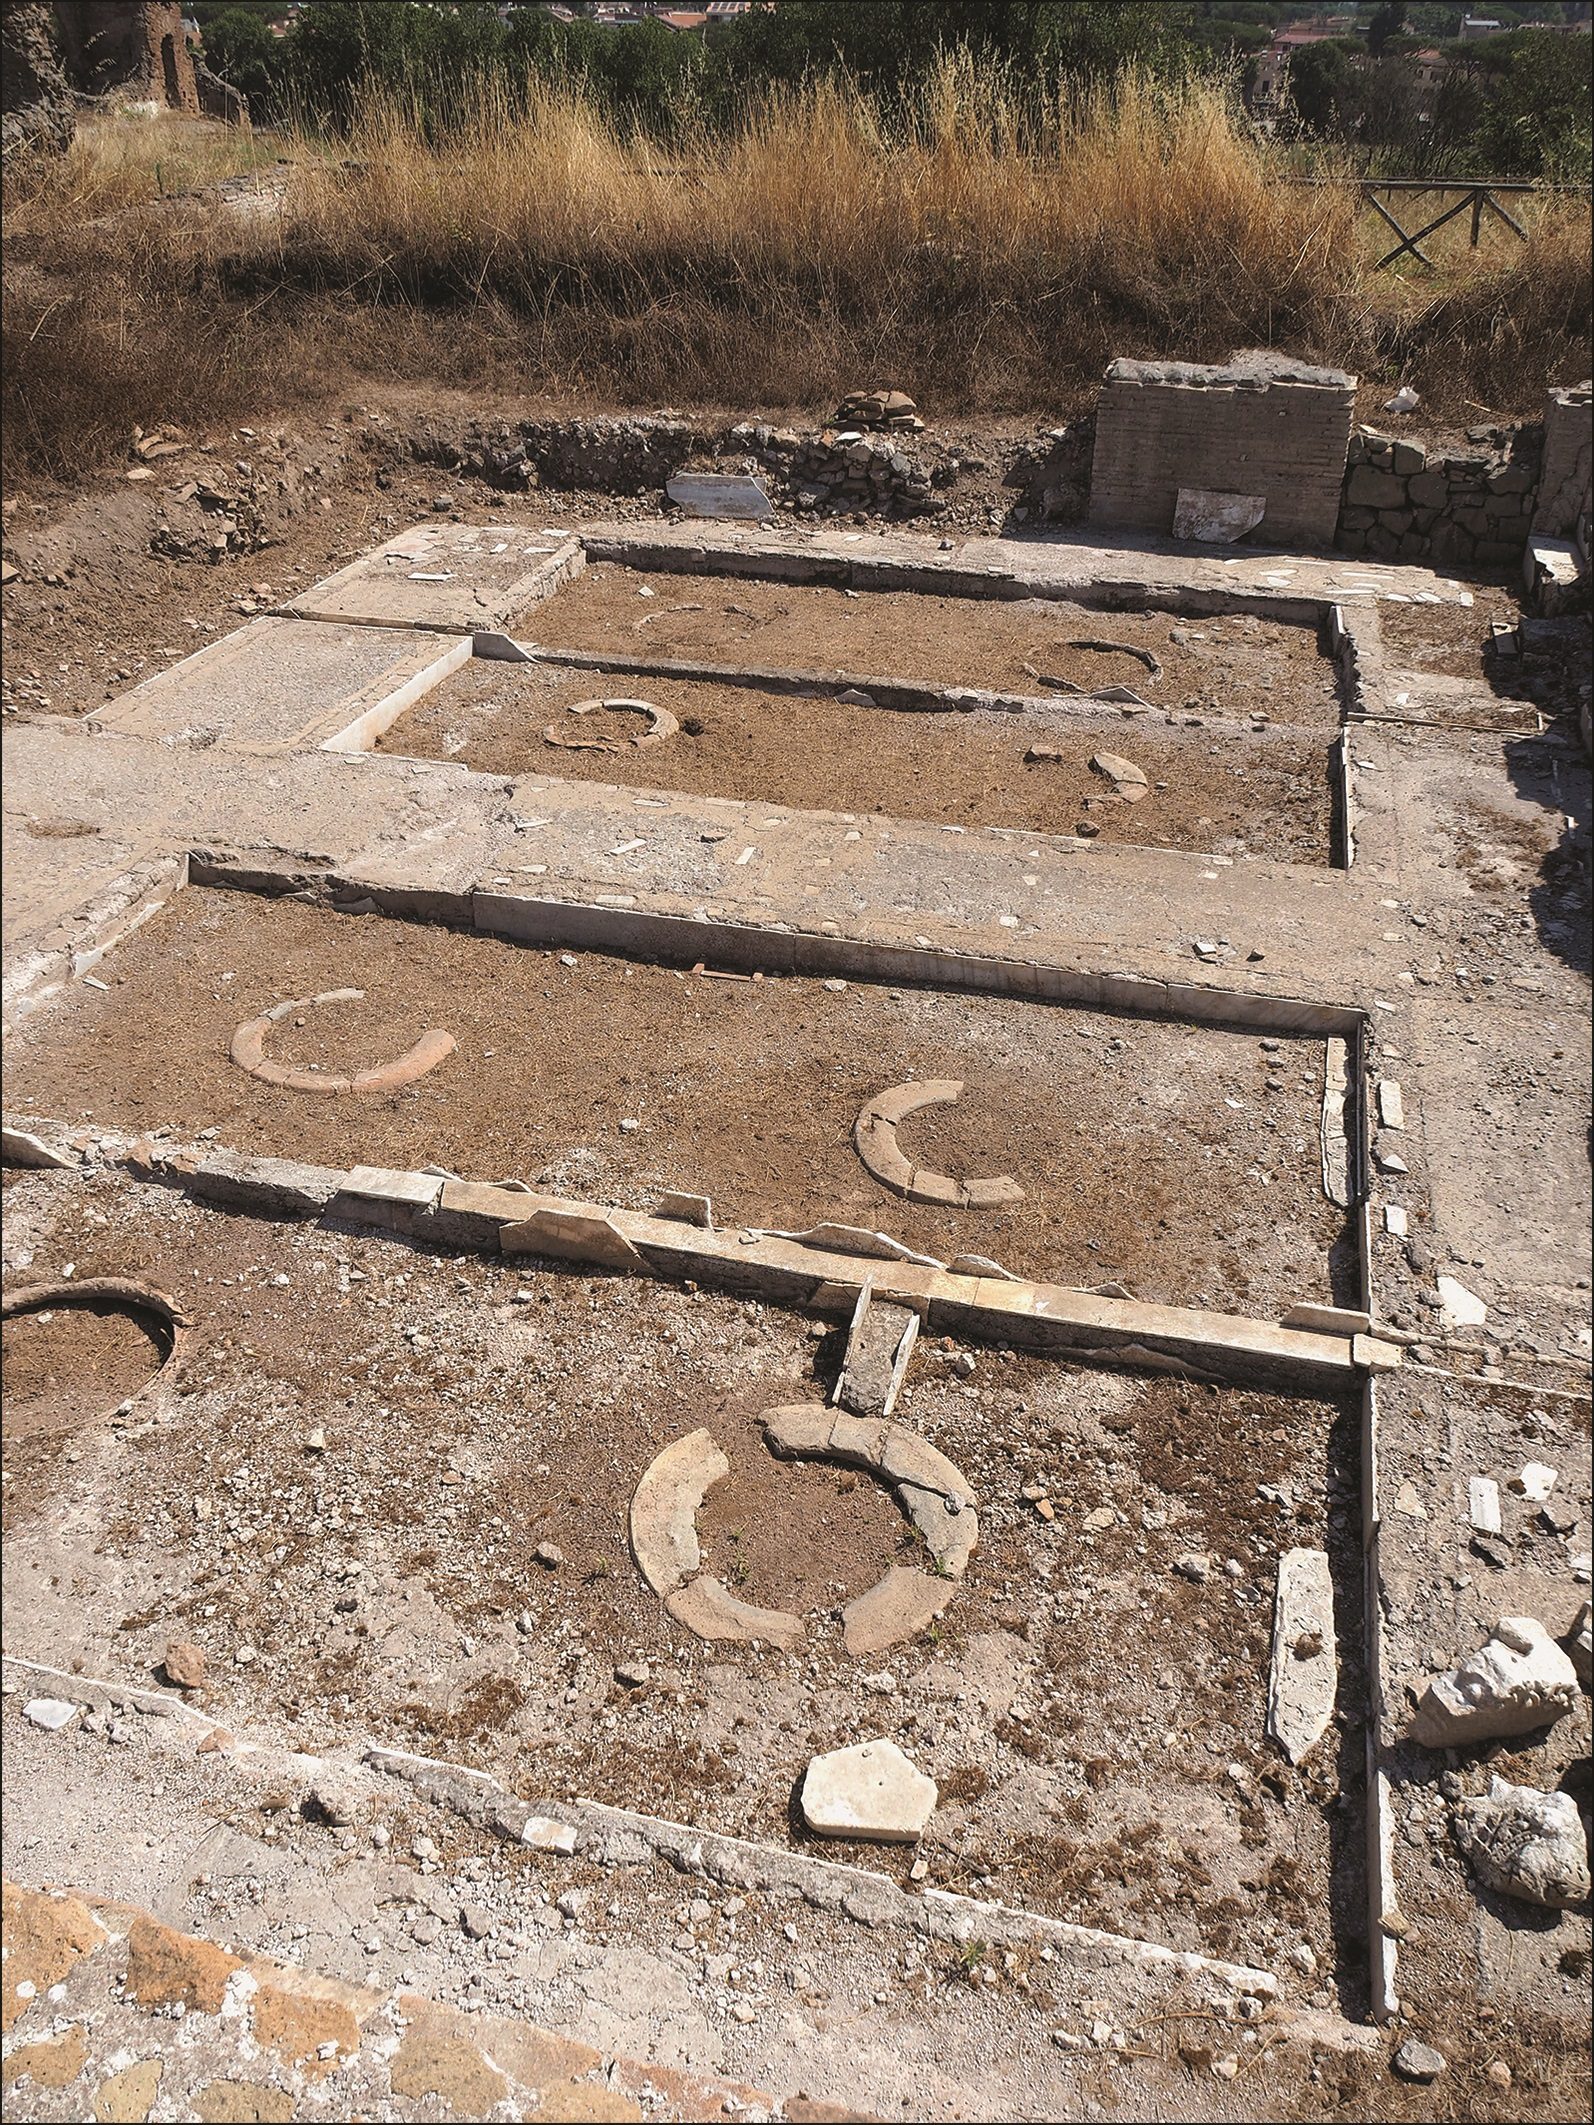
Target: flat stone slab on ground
{"x": 868, "y": 1791}
{"x": 1304, "y": 1674}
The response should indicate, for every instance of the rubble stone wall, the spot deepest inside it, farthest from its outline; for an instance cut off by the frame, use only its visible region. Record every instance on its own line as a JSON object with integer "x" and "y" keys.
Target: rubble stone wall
{"x": 1259, "y": 425}
{"x": 1568, "y": 472}
{"x": 829, "y": 471}
{"x": 1402, "y": 504}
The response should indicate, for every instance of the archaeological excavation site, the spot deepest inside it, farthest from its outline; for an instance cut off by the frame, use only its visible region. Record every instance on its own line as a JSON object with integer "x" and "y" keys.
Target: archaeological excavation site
{"x": 796, "y": 1306}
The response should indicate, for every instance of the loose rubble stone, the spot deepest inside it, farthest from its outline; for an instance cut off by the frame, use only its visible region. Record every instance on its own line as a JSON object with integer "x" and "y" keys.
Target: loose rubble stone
{"x": 1519, "y": 1680}
{"x": 184, "y": 1663}
{"x": 1418, "y": 2062}
{"x": 337, "y": 1795}
{"x": 1459, "y": 1307}
{"x": 51, "y": 1713}
{"x": 1128, "y": 780}
{"x": 868, "y": 1791}
{"x": 1535, "y": 1481}
{"x": 1580, "y": 1645}
{"x": 1526, "y": 1844}
{"x": 1483, "y": 1505}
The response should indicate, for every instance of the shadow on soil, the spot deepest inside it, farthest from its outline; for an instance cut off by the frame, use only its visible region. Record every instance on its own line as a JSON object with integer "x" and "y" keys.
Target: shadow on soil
{"x": 1553, "y": 771}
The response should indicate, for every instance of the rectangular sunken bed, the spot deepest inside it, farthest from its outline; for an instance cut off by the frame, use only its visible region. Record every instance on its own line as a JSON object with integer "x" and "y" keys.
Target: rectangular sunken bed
{"x": 1181, "y": 1162}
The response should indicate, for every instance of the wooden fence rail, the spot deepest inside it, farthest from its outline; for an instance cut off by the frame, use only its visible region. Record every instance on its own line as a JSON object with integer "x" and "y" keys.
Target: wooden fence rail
{"x": 1473, "y": 194}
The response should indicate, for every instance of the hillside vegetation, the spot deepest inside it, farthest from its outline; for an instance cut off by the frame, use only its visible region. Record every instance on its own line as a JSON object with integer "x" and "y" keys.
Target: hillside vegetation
{"x": 980, "y": 248}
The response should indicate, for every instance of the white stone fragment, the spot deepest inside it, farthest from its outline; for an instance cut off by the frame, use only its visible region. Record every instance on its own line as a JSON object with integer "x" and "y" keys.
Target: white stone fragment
{"x": 1216, "y": 518}
{"x": 1483, "y": 1505}
{"x": 1519, "y": 1680}
{"x": 1535, "y": 1481}
{"x": 1395, "y": 1220}
{"x": 50, "y": 1713}
{"x": 1391, "y": 1104}
{"x": 868, "y": 1791}
{"x": 719, "y": 495}
{"x": 1459, "y": 1307}
{"x": 1304, "y": 1672}
{"x": 543, "y": 1834}
{"x": 1527, "y": 1844}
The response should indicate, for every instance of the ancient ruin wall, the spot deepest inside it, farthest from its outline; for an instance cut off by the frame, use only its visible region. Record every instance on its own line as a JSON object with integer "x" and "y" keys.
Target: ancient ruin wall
{"x": 1259, "y": 426}
{"x": 1402, "y": 504}
{"x": 136, "y": 47}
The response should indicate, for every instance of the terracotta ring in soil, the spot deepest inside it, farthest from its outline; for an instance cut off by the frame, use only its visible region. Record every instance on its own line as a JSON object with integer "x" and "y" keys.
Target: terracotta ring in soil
{"x": 158, "y": 1315}
{"x": 1121, "y": 649}
{"x": 931, "y": 1491}
{"x": 661, "y": 725}
{"x": 249, "y": 1044}
{"x": 664, "y": 1542}
{"x": 874, "y": 1137}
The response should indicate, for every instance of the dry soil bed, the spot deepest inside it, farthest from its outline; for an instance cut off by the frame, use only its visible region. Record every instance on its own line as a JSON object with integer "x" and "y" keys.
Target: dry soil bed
{"x": 1181, "y": 1161}
{"x": 67, "y": 1365}
{"x": 1094, "y": 1718}
{"x": 1265, "y": 795}
{"x": 1230, "y": 664}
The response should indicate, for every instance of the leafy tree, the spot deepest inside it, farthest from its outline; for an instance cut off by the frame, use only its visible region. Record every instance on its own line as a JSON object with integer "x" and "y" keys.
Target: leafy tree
{"x": 1535, "y": 120}
{"x": 1327, "y": 87}
{"x": 1388, "y": 21}
{"x": 240, "y": 48}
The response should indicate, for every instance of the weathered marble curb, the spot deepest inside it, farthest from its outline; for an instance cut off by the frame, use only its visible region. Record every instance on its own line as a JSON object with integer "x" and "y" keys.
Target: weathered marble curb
{"x": 1008, "y": 1310}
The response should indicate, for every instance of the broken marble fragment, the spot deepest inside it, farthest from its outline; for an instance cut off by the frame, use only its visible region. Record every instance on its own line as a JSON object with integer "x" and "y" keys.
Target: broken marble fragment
{"x": 1526, "y": 1844}
{"x": 1519, "y": 1680}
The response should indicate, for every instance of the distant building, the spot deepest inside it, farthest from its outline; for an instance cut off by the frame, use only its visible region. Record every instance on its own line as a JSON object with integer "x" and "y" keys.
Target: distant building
{"x": 1428, "y": 70}
{"x": 1480, "y": 26}
{"x": 1270, "y": 77}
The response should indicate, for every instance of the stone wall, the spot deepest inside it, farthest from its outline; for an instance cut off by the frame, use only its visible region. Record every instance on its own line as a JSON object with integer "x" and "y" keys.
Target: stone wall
{"x": 828, "y": 472}
{"x": 1259, "y": 425}
{"x": 1568, "y": 472}
{"x": 38, "y": 114}
{"x": 1402, "y": 504}
{"x": 838, "y": 471}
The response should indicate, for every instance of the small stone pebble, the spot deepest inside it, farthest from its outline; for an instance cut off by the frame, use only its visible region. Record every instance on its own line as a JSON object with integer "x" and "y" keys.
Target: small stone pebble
{"x": 1418, "y": 2062}
{"x": 549, "y": 1555}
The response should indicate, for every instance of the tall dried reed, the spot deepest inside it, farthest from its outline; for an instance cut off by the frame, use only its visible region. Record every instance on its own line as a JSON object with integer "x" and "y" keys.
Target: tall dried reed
{"x": 983, "y": 249}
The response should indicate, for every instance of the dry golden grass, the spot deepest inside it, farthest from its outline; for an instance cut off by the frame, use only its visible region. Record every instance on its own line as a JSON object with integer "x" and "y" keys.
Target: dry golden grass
{"x": 986, "y": 255}
{"x": 120, "y": 161}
